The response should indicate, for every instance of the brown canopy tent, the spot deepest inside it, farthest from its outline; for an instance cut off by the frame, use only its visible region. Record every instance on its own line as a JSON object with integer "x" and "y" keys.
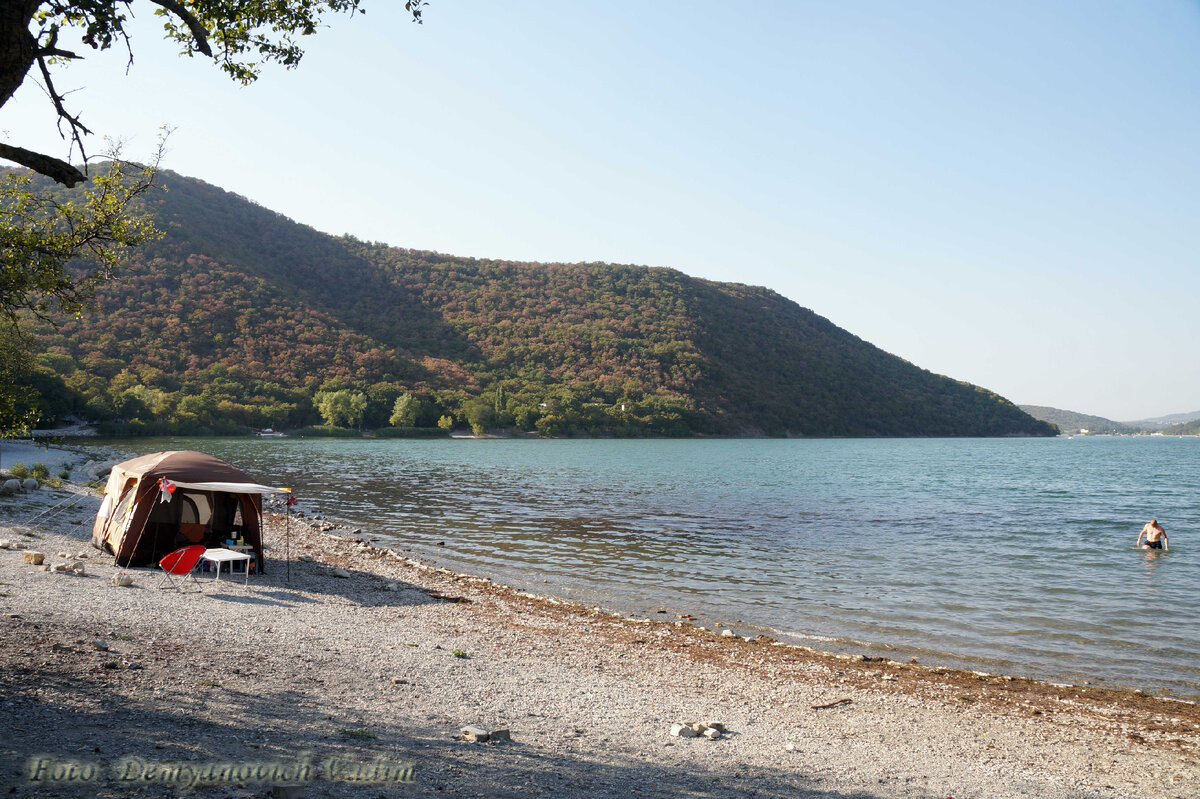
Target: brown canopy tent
{"x": 138, "y": 522}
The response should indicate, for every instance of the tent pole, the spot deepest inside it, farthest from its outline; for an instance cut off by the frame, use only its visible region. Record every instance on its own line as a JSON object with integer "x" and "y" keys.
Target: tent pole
{"x": 287, "y": 526}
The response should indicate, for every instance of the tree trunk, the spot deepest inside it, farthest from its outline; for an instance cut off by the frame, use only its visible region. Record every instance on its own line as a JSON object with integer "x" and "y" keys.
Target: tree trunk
{"x": 17, "y": 45}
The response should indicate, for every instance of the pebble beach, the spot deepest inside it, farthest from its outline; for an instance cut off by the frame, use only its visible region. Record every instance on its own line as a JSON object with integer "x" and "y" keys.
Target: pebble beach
{"x": 348, "y": 669}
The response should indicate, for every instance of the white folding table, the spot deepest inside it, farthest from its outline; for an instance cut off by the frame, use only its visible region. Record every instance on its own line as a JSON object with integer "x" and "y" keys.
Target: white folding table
{"x": 222, "y": 555}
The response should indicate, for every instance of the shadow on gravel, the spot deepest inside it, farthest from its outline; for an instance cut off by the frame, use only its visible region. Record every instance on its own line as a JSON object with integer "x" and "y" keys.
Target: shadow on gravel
{"x": 309, "y": 583}
{"x": 360, "y": 587}
{"x": 72, "y": 711}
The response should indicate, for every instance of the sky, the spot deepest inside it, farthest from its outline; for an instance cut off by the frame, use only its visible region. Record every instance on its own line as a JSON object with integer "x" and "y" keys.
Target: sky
{"x": 1004, "y": 193}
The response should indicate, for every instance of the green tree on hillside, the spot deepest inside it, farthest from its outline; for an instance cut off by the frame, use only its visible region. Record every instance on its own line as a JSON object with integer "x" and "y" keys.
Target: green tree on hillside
{"x": 343, "y": 408}
{"x": 404, "y": 412}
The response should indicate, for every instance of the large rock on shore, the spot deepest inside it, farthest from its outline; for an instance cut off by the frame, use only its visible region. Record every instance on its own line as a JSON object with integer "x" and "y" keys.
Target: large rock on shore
{"x": 97, "y": 470}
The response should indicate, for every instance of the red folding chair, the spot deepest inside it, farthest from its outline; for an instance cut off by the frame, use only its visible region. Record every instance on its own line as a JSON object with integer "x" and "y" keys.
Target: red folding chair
{"x": 181, "y": 562}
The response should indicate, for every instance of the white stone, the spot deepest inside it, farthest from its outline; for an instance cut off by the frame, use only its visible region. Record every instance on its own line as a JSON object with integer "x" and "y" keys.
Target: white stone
{"x": 30, "y": 484}
{"x": 727, "y": 633}
{"x": 12, "y": 485}
{"x": 122, "y": 580}
{"x": 711, "y": 734}
{"x": 681, "y": 730}
{"x": 474, "y": 734}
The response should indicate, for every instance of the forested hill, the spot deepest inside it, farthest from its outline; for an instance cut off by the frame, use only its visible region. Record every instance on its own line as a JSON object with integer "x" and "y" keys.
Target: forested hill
{"x": 239, "y": 315}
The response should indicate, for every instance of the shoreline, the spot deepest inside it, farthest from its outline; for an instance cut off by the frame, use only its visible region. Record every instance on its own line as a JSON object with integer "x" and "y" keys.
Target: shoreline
{"x": 841, "y": 648}
{"x": 393, "y": 659}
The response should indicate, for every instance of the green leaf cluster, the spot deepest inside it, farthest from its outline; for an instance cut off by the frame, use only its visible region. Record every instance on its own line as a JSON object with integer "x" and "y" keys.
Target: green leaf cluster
{"x": 44, "y": 231}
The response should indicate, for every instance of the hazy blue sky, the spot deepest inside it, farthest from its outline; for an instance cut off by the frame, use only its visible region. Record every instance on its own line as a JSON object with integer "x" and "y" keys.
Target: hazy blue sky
{"x": 1006, "y": 193}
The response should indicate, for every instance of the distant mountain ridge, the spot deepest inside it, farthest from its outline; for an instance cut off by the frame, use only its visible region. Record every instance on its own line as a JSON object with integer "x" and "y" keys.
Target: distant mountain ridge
{"x": 1189, "y": 428}
{"x": 1169, "y": 420}
{"x": 1073, "y": 422}
{"x": 239, "y": 315}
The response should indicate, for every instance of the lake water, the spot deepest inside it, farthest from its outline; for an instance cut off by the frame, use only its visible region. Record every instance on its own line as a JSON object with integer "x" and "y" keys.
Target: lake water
{"x": 1003, "y": 555}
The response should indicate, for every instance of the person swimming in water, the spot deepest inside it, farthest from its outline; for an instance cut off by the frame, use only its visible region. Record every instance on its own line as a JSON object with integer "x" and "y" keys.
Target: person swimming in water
{"x": 1155, "y": 535}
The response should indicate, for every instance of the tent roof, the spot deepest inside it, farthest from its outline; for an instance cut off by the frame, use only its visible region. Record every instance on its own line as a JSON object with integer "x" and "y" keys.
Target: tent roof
{"x": 189, "y": 469}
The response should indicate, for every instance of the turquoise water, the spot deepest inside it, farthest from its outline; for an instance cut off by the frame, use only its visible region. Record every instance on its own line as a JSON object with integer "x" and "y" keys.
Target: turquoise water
{"x": 1012, "y": 556}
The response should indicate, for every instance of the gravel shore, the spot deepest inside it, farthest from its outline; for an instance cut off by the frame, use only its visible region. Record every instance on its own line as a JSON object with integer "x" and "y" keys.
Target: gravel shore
{"x": 367, "y": 660}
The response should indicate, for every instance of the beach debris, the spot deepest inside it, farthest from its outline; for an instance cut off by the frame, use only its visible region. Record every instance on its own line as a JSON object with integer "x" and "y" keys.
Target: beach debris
{"x": 340, "y": 572}
{"x": 475, "y": 734}
{"x": 34, "y": 558}
{"x": 122, "y": 580}
{"x": 838, "y": 703}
